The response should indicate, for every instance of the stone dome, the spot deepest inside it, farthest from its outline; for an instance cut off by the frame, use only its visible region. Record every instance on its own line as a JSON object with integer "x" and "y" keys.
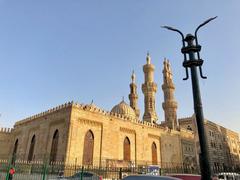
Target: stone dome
{"x": 92, "y": 106}
{"x": 124, "y": 109}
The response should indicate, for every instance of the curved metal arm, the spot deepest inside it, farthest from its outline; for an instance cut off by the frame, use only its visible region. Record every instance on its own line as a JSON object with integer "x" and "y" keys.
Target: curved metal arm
{"x": 201, "y": 25}
{"x": 183, "y": 44}
{"x": 196, "y": 38}
{"x": 176, "y": 30}
{"x": 173, "y": 29}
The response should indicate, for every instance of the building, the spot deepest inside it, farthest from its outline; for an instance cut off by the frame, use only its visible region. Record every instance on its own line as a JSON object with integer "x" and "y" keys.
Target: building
{"x": 85, "y": 134}
{"x": 223, "y": 143}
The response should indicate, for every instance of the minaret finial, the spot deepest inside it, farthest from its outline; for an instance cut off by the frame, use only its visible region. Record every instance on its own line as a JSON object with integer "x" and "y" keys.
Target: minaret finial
{"x": 133, "y": 77}
{"x": 92, "y": 101}
{"x": 165, "y": 64}
{"x": 148, "y": 58}
{"x": 123, "y": 99}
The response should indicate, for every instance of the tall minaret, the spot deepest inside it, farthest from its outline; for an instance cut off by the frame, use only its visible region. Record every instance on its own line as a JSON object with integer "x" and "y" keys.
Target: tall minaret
{"x": 149, "y": 89}
{"x": 133, "y": 97}
{"x": 169, "y": 105}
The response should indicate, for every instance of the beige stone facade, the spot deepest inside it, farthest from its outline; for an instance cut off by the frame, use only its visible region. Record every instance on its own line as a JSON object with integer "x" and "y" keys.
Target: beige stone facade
{"x": 223, "y": 143}
{"x": 74, "y": 120}
{"x": 5, "y": 142}
{"x": 42, "y": 126}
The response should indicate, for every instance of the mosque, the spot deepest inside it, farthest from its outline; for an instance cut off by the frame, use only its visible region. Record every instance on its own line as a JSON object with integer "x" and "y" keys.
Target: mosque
{"x": 88, "y": 135}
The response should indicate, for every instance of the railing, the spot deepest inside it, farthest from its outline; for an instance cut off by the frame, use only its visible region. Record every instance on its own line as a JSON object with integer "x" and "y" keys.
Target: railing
{"x": 42, "y": 170}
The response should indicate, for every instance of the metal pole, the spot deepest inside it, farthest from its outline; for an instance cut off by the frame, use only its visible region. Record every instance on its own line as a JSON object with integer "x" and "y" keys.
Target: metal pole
{"x": 193, "y": 63}
{"x": 204, "y": 163}
{"x": 81, "y": 177}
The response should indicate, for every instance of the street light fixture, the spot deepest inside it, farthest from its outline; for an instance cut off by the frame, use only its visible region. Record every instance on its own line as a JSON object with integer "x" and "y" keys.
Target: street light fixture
{"x": 193, "y": 63}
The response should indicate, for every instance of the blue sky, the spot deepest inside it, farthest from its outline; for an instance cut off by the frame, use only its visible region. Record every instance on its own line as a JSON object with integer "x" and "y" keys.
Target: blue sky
{"x": 56, "y": 51}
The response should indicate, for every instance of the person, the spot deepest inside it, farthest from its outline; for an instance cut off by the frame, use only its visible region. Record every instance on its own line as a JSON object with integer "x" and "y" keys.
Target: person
{"x": 60, "y": 174}
{"x": 11, "y": 173}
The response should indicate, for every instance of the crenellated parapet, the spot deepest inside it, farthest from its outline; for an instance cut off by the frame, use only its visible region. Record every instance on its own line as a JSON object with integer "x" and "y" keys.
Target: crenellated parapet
{"x": 89, "y": 108}
{"x": 185, "y": 119}
{"x": 6, "y": 136}
{"x": 186, "y": 133}
{"x": 93, "y": 108}
{"x": 5, "y": 130}
{"x": 50, "y": 111}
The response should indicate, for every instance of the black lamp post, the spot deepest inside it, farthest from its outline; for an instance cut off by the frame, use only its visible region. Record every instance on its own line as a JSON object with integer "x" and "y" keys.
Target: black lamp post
{"x": 193, "y": 63}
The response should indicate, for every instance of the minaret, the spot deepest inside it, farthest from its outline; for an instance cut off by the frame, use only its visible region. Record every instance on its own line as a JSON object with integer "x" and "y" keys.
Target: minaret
{"x": 169, "y": 105}
{"x": 149, "y": 89}
{"x": 133, "y": 97}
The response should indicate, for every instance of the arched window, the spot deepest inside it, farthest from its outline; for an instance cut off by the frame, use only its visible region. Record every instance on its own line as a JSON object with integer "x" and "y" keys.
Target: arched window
{"x": 31, "y": 149}
{"x": 151, "y": 103}
{"x": 88, "y": 148}
{"x": 189, "y": 128}
{"x": 14, "y": 151}
{"x": 126, "y": 149}
{"x": 154, "y": 153}
{"x": 15, "y": 148}
{"x": 54, "y": 147}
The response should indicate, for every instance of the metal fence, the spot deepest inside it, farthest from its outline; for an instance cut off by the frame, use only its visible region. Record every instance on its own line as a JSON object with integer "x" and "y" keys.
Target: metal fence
{"x": 39, "y": 170}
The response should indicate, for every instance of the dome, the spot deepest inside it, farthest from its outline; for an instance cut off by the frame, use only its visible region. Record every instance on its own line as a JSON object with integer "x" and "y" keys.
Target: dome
{"x": 92, "y": 106}
{"x": 124, "y": 109}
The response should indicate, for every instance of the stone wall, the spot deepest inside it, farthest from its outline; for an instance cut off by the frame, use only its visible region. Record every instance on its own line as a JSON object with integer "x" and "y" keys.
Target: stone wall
{"x": 223, "y": 144}
{"x": 43, "y": 127}
{"x": 73, "y": 121}
{"x": 5, "y": 142}
{"x": 110, "y": 131}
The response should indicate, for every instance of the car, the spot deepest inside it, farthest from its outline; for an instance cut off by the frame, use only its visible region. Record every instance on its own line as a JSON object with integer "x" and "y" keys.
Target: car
{"x": 228, "y": 176}
{"x": 186, "y": 176}
{"x": 149, "y": 177}
{"x": 153, "y": 170}
{"x": 77, "y": 176}
{"x": 149, "y": 170}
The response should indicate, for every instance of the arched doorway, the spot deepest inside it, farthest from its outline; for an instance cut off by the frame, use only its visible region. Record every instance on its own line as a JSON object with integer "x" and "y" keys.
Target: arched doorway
{"x": 15, "y": 148}
{"x": 54, "y": 148}
{"x": 126, "y": 149}
{"x": 31, "y": 149}
{"x": 14, "y": 151}
{"x": 154, "y": 153}
{"x": 88, "y": 148}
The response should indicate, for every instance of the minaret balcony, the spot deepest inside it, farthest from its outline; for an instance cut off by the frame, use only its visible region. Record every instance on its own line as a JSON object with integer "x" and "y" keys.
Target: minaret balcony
{"x": 168, "y": 86}
{"x": 133, "y": 96}
{"x": 149, "y": 87}
{"x": 148, "y": 67}
{"x": 169, "y": 104}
